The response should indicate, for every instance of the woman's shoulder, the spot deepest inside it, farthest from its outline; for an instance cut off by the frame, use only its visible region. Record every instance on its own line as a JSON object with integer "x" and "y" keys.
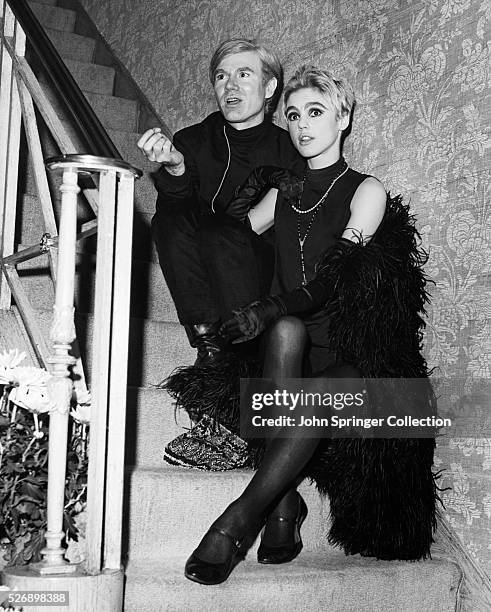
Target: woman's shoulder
{"x": 367, "y": 209}
{"x": 370, "y": 194}
{"x": 371, "y": 185}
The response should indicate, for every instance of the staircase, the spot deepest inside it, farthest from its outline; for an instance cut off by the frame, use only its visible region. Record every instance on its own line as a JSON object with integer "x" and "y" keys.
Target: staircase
{"x": 168, "y": 509}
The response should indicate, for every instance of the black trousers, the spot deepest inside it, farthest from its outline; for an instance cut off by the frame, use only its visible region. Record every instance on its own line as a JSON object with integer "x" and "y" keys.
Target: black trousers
{"x": 212, "y": 263}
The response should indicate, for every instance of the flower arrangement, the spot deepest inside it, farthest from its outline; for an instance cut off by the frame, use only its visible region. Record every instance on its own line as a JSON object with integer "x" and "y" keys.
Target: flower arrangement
{"x": 24, "y": 417}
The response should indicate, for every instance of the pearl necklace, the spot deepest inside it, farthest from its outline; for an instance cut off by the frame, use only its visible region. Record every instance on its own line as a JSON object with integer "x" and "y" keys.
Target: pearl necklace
{"x": 321, "y": 201}
{"x": 315, "y": 208}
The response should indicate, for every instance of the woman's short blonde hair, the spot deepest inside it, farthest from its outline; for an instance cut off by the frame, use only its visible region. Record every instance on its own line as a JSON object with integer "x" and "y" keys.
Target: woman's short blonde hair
{"x": 338, "y": 90}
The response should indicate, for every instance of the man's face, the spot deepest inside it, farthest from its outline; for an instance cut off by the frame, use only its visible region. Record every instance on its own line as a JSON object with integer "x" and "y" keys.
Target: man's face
{"x": 240, "y": 89}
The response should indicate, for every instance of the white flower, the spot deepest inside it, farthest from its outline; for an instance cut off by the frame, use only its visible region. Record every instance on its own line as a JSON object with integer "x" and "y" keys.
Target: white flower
{"x": 34, "y": 399}
{"x": 81, "y": 414}
{"x": 29, "y": 376}
{"x": 82, "y": 396}
{"x": 6, "y": 375}
{"x": 30, "y": 391}
{"x": 11, "y": 359}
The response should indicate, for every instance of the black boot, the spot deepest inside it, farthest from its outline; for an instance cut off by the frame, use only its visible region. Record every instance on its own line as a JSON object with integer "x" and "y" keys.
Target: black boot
{"x": 205, "y": 337}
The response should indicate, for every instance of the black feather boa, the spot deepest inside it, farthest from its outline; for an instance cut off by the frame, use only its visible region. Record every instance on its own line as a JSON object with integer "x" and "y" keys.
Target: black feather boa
{"x": 382, "y": 492}
{"x": 378, "y": 297}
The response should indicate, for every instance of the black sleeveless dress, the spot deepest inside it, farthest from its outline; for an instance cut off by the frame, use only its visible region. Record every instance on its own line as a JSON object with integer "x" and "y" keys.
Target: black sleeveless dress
{"x": 323, "y": 226}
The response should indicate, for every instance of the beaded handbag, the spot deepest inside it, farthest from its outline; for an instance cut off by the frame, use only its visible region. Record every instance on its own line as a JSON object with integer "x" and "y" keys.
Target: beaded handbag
{"x": 208, "y": 445}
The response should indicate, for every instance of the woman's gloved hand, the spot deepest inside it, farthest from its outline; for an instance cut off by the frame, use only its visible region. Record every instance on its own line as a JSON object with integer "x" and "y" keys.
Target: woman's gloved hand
{"x": 253, "y": 189}
{"x": 250, "y": 321}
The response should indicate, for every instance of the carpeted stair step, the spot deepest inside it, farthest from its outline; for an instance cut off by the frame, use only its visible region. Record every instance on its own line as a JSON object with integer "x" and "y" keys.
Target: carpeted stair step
{"x": 92, "y": 77}
{"x": 156, "y": 347}
{"x": 54, "y": 17}
{"x": 150, "y": 296}
{"x": 31, "y": 228}
{"x": 170, "y": 508}
{"x": 30, "y": 225}
{"x": 72, "y": 46}
{"x": 313, "y": 581}
{"x": 151, "y": 423}
{"x": 113, "y": 112}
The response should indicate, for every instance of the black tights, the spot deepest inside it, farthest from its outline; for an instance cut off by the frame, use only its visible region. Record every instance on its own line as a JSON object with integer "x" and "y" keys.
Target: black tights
{"x": 272, "y": 489}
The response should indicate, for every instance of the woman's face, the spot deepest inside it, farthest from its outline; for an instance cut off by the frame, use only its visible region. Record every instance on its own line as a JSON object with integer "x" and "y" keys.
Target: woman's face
{"x": 314, "y": 127}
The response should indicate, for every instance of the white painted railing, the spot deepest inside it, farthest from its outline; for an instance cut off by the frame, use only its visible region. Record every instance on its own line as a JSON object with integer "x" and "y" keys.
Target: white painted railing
{"x": 110, "y": 359}
{"x": 97, "y": 583}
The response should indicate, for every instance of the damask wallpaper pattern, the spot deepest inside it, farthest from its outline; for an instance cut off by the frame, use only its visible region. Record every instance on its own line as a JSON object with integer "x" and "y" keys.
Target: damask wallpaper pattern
{"x": 421, "y": 71}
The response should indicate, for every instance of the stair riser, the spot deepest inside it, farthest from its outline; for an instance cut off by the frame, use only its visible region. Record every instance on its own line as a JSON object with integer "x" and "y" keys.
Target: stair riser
{"x": 151, "y": 423}
{"x": 302, "y": 585}
{"x": 156, "y": 347}
{"x": 150, "y": 297}
{"x": 114, "y": 113}
{"x": 162, "y": 502}
{"x": 91, "y": 77}
{"x": 30, "y": 221}
{"x": 72, "y": 46}
{"x": 54, "y": 17}
{"x": 145, "y": 193}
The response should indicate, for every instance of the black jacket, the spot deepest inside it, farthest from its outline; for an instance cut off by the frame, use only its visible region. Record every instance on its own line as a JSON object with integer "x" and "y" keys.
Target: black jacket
{"x": 206, "y": 152}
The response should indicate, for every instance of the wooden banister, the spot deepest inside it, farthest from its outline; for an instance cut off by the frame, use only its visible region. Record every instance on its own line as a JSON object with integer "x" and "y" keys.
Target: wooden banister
{"x": 77, "y": 108}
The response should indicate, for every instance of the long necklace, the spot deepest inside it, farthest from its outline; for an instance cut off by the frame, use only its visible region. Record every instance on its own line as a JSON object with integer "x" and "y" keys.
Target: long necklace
{"x": 322, "y": 199}
{"x": 315, "y": 209}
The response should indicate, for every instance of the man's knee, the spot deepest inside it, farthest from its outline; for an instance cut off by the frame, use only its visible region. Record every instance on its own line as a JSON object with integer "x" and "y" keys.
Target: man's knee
{"x": 222, "y": 231}
{"x": 170, "y": 229}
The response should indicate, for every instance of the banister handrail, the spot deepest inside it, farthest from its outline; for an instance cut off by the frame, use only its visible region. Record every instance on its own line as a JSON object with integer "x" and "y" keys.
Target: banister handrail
{"x": 91, "y": 163}
{"x": 75, "y": 103}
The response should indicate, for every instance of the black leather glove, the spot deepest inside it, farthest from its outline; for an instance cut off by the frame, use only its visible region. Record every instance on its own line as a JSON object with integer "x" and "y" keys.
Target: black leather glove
{"x": 253, "y": 319}
{"x": 251, "y": 191}
{"x": 250, "y": 321}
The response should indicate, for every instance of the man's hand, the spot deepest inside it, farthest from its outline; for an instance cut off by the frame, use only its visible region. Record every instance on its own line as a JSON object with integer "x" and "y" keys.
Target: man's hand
{"x": 158, "y": 148}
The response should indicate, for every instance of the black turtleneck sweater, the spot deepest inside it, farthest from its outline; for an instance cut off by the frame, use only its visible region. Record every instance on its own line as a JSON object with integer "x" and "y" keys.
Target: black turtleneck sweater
{"x": 326, "y": 226}
{"x": 205, "y": 147}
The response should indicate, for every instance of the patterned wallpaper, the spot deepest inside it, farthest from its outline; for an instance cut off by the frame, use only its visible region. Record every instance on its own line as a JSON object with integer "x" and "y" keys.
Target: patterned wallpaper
{"x": 422, "y": 75}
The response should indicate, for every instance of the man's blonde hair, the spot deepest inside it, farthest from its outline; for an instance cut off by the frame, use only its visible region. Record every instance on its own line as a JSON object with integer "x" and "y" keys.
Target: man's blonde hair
{"x": 271, "y": 65}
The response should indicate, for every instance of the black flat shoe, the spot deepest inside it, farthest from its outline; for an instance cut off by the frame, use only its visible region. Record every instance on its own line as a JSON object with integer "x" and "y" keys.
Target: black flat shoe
{"x": 205, "y": 572}
{"x": 286, "y": 553}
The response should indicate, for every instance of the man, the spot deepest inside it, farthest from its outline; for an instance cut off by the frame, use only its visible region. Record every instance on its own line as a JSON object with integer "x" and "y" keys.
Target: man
{"x": 210, "y": 256}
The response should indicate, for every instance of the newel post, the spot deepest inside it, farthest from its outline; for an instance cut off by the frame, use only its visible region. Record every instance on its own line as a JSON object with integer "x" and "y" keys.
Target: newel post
{"x": 61, "y": 385}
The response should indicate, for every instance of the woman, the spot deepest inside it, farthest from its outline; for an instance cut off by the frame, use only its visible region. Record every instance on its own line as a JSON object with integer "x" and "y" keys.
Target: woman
{"x": 342, "y": 305}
